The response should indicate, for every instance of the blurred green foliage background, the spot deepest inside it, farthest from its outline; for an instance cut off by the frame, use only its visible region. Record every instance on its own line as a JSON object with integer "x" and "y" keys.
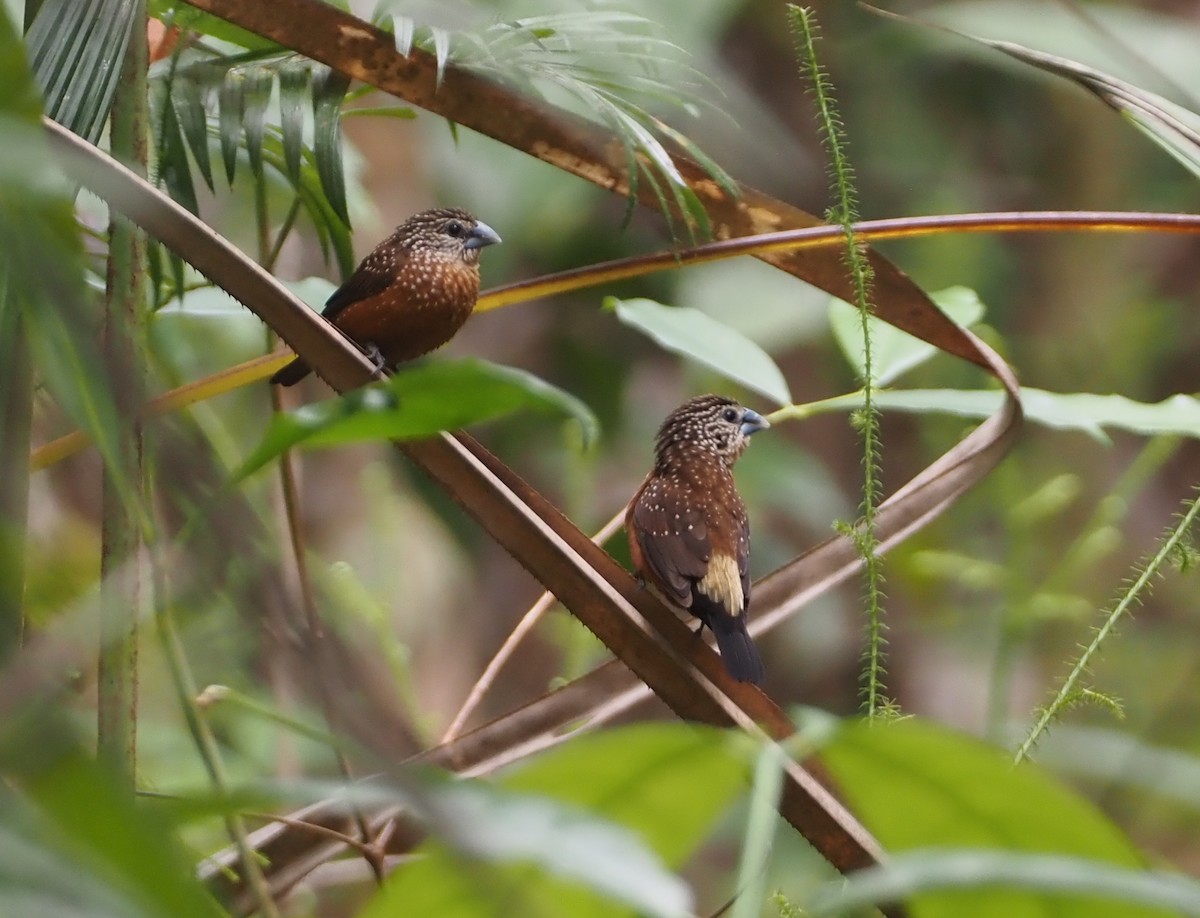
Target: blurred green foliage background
{"x": 987, "y": 607}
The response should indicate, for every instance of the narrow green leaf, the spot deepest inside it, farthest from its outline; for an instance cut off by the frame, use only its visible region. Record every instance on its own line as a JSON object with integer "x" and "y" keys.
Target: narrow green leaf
{"x": 76, "y": 51}
{"x": 416, "y": 403}
{"x": 974, "y": 880}
{"x": 711, "y": 166}
{"x": 403, "y": 28}
{"x": 894, "y": 352}
{"x": 692, "y": 334}
{"x": 1173, "y": 127}
{"x": 329, "y": 88}
{"x": 1082, "y": 411}
{"x": 155, "y": 259}
{"x": 188, "y": 99}
{"x": 917, "y": 785}
{"x": 231, "y": 98}
{"x": 173, "y": 167}
{"x": 188, "y": 18}
{"x": 42, "y": 259}
{"x": 383, "y": 111}
{"x": 760, "y": 831}
{"x": 332, "y": 231}
{"x": 256, "y": 97}
{"x": 294, "y": 80}
{"x": 441, "y": 50}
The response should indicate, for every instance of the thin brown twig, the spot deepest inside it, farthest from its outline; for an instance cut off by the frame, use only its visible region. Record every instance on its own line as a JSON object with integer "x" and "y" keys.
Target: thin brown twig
{"x": 366, "y": 850}
{"x": 311, "y": 630}
{"x": 268, "y": 254}
{"x": 548, "y": 285}
{"x": 527, "y": 623}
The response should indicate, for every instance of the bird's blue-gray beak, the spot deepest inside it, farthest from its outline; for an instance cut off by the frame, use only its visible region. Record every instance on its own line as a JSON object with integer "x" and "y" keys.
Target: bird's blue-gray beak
{"x": 481, "y": 235}
{"x": 753, "y": 422}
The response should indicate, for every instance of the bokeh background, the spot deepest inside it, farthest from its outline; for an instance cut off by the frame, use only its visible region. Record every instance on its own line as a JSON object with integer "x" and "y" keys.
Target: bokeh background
{"x": 986, "y": 608}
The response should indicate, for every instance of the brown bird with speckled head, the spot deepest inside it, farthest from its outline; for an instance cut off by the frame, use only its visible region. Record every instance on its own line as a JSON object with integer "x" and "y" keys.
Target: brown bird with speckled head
{"x": 412, "y": 294}
{"x": 689, "y": 535}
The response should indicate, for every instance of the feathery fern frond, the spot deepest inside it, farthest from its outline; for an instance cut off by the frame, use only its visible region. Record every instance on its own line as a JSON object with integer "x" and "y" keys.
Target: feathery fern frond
{"x": 845, "y": 212}
{"x": 609, "y": 65}
{"x": 1173, "y": 546}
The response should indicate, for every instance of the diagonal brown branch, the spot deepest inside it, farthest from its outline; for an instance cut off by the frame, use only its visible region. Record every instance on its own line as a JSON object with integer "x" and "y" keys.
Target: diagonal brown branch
{"x": 584, "y": 578}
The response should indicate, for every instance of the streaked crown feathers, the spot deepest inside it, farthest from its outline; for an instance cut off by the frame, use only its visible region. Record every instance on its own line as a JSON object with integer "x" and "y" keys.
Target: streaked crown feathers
{"x": 710, "y": 423}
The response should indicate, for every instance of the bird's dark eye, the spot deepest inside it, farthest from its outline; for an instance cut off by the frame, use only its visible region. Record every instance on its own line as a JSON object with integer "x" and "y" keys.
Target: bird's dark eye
{"x": 455, "y": 229}
{"x": 730, "y": 414}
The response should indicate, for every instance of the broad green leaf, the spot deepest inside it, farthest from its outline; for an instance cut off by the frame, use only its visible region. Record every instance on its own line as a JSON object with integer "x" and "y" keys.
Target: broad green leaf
{"x": 569, "y": 843}
{"x": 1082, "y": 411}
{"x": 916, "y": 785}
{"x": 700, "y": 337}
{"x": 644, "y": 777}
{"x": 974, "y": 880}
{"x": 110, "y": 857}
{"x": 640, "y": 793}
{"x": 894, "y": 352}
{"x": 1122, "y": 759}
{"x": 416, "y": 403}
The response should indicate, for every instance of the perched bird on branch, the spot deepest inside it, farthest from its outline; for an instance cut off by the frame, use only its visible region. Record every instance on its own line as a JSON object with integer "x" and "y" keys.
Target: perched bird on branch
{"x": 689, "y": 535}
{"x": 412, "y": 294}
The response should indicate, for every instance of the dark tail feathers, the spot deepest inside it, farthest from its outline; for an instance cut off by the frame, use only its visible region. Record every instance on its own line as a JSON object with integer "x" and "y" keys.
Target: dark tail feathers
{"x": 737, "y": 650}
{"x": 291, "y": 374}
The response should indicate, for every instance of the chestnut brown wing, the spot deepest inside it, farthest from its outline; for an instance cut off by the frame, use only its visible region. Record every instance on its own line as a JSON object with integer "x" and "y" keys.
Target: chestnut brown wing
{"x": 674, "y": 542}
{"x": 742, "y": 552}
{"x": 377, "y": 272}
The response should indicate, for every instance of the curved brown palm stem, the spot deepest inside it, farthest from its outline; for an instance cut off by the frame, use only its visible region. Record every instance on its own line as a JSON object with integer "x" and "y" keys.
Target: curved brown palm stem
{"x": 260, "y": 368}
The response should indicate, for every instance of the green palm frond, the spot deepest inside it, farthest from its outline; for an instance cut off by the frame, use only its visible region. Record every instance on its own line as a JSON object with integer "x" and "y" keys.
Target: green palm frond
{"x": 612, "y": 66}
{"x": 75, "y": 51}
{"x": 241, "y": 90}
{"x": 250, "y": 104}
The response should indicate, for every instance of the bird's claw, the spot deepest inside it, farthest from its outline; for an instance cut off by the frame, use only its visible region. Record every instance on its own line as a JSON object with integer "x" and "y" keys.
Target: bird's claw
{"x": 375, "y": 355}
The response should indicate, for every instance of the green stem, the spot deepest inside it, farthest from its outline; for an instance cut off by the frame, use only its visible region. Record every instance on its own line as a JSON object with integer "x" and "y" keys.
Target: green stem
{"x": 844, "y": 213}
{"x": 185, "y": 688}
{"x": 121, "y": 514}
{"x": 847, "y": 402}
{"x": 1173, "y": 542}
{"x": 16, "y": 410}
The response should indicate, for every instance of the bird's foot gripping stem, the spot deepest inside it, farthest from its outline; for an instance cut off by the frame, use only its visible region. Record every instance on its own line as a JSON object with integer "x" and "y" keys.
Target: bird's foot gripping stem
{"x": 375, "y": 355}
